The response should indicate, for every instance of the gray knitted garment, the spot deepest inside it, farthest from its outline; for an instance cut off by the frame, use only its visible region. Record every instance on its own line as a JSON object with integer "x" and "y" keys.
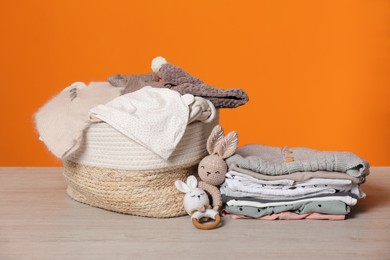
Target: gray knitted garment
{"x": 221, "y": 98}
{"x": 175, "y": 78}
{"x": 277, "y": 161}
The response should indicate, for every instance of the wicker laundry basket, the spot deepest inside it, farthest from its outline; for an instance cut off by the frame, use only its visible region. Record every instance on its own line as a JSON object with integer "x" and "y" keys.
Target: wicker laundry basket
{"x": 142, "y": 193}
{"x": 112, "y": 172}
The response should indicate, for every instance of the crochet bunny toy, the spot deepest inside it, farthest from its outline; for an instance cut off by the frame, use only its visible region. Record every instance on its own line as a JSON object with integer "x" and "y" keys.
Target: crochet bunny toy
{"x": 212, "y": 168}
{"x": 175, "y": 78}
{"x": 197, "y": 205}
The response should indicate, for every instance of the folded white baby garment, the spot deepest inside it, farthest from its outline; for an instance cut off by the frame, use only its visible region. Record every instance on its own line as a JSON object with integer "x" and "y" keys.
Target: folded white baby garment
{"x": 62, "y": 120}
{"x": 156, "y": 118}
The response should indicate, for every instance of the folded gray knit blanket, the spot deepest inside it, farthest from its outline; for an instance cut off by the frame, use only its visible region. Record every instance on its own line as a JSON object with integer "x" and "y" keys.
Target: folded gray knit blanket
{"x": 175, "y": 78}
{"x": 220, "y": 98}
{"x": 279, "y": 161}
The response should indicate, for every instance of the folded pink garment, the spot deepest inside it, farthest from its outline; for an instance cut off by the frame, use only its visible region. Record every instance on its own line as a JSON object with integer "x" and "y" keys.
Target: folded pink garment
{"x": 290, "y": 216}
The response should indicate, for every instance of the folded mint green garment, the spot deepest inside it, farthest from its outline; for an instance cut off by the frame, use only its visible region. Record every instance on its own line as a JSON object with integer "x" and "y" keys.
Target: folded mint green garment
{"x": 324, "y": 207}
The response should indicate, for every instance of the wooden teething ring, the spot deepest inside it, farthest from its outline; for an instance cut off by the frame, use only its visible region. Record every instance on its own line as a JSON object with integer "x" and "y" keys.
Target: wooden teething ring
{"x": 207, "y": 226}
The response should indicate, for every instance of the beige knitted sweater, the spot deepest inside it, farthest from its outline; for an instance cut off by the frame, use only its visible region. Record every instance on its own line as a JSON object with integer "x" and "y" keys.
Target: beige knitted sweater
{"x": 278, "y": 161}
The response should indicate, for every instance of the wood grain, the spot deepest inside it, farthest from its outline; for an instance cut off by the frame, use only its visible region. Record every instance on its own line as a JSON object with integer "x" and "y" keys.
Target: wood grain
{"x": 39, "y": 221}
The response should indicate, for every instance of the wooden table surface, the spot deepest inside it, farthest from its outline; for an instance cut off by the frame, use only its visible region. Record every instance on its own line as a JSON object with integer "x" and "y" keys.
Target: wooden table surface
{"x": 39, "y": 221}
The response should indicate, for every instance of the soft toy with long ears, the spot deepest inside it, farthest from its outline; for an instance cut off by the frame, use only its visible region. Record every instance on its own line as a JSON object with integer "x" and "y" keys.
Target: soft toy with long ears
{"x": 212, "y": 168}
{"x": 197, "y": 204}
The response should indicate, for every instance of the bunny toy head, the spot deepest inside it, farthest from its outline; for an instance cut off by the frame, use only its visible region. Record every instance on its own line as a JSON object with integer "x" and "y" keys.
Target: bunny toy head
{"x": 212, "y": 168}
{"x": 195, "y": 198}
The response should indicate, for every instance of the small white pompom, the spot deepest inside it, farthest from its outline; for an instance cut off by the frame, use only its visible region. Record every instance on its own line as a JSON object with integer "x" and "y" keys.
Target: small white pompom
{"x": 157, "y": 63}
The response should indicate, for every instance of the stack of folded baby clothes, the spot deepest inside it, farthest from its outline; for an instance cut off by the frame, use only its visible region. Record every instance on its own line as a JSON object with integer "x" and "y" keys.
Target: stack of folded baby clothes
{"x": 266, "y": 182}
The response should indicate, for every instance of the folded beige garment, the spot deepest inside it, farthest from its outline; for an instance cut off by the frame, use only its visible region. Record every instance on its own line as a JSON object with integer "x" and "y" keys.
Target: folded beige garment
{"x": 299, "y": 176}
{"x": 63, "y": 119}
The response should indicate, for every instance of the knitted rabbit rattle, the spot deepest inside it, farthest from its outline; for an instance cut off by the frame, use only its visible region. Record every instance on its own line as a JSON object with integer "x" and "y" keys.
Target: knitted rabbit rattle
{"x": 197, "y": 204}
{"x": 212, "y": 168}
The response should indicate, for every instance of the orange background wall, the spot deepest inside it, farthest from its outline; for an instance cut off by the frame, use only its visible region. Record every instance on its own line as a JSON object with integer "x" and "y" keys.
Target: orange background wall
{"x": 317, "y": 72}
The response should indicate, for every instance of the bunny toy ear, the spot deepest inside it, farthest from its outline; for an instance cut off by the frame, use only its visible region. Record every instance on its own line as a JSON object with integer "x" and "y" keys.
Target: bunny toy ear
{"x": 181, "y": 186}
{"x": 214, "y": 139}
{"x": 192, "y": 182}
{"x": 227, "y": 147}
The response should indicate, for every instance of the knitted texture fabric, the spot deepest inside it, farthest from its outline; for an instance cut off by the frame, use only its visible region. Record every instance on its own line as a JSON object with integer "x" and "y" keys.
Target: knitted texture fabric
{"x": 175, "y": 75}
{"x": 277, "y": 161}
{"x": 298, "y": 176}
{"x": 214, "y": 192}
{"x": 62, "y": 121}
{"x": 212, "y": 170}
{"x": 221, "y": 98}
{"x": 175, "y": 78}
{"x": 171, "y": 75}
